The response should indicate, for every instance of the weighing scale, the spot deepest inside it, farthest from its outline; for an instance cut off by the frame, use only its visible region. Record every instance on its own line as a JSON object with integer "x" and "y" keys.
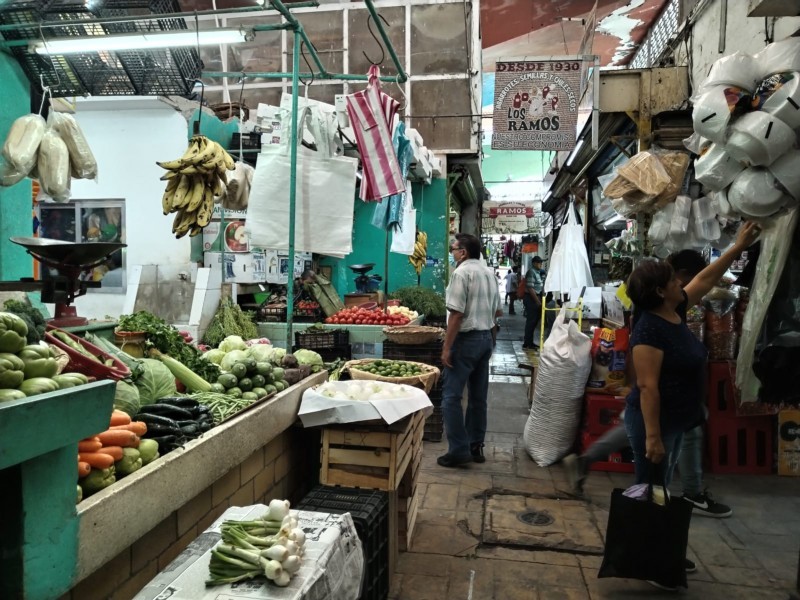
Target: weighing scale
{"x": 366, "y": 284}
{"x": 70, "y": 259}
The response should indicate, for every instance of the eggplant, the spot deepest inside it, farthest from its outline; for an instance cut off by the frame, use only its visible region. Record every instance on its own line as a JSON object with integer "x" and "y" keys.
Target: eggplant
{"x": 180, "y": 402}
{"x": 166, "y": 410}
{"x": 156, "y": 420}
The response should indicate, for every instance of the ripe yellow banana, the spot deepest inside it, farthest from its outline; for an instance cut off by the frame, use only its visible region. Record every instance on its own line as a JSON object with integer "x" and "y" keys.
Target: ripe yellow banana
{"x": 197, "y": 193}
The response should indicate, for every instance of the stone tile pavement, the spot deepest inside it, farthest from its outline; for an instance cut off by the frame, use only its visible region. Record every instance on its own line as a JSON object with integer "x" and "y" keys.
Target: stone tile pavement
{"x": 470, "y": 543}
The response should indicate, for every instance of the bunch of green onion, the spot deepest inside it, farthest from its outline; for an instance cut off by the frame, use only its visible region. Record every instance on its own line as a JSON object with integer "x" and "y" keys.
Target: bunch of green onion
{"x": 270, "y": 547}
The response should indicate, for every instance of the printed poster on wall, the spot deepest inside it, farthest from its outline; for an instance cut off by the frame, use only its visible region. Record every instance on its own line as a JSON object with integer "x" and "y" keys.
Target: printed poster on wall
{"x": 508, "y": 217}
{"x": 536, "y": 103}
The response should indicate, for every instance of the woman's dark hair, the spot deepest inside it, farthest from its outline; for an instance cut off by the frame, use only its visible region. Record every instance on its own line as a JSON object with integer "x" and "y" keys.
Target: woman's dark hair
{"x": 645, "y": 280}
{"x": 469, "y": 243}
{"x": 690, "y": 262}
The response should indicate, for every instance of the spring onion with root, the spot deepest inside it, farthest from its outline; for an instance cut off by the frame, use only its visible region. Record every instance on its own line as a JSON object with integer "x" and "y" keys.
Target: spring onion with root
{"x": 270, "y": 547}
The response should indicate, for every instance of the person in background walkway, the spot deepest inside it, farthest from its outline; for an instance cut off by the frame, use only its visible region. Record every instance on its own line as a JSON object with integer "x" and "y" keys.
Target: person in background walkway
{"x": 473, "y": 304}
{"x": 687, "y": 264}
{"x": 533, "y": 301}
{"x": 512, "y": 279}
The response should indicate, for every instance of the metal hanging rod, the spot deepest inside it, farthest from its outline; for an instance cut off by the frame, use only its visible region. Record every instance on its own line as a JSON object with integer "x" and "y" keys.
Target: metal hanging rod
{"x": 155, "y": 17}
{"x": 272, "y": 75}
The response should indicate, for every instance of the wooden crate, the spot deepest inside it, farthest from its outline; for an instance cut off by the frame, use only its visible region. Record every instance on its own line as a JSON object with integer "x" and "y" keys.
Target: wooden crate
{"x": 370, "y": 457}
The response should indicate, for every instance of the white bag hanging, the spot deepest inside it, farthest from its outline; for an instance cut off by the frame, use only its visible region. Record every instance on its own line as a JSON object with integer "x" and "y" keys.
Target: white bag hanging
{"x": 569, "y": 264}
{"x": 326, "y": 188}
{"x": 403, "y": 239}
{"x": 564, "y": 366}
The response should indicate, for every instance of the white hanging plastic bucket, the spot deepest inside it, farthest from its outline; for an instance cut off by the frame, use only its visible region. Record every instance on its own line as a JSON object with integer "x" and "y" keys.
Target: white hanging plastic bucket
{"x": 754, "y": 193}
{"x": 715, "y": 108}
{"x": 784, "y": 103}
{"x": 716, "y": 169}
{"x": 757, "y": 138}
{"x": 786, "y": 171}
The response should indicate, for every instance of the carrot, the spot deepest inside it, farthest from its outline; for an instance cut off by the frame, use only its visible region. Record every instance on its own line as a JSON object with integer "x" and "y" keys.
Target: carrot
{"x": 92, "y": 445}
{"x": 118, "y": 437}
{"x": 114, "y": 452}
{"x": 137, "y": 427}
{"x": 119, "y": 418}
{"x": 84, "y": 469}
{"x": 97, "y": 460}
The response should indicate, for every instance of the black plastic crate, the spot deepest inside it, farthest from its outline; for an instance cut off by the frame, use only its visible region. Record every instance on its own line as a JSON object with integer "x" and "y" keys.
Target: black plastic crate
{"x": 330, "y": 354}
{"x": 434, "y": 426}
{"x": 370, "y": 512}
{"x": 435, "y": 395}
{"x": 430, "y": 354}
{"x": 250, "y": 141}
{"x": 317, "y": 340}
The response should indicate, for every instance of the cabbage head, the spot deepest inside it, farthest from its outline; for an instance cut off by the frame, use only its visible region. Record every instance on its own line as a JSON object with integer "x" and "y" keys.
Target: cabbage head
{"x": 126, "y": 398}
{"x": 261, "y": 352}
{"x": 155, "y": 382}
{"x": 276, "y": 358}
{"x": 231, "y": 358}
{"x": 232, "y": 342}
{"x": 309, "y": 357}
{"x": 215, "y": 356}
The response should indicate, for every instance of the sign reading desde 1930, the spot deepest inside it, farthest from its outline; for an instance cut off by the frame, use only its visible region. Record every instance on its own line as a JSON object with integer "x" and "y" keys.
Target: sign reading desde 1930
{"x": 555, "y": 66}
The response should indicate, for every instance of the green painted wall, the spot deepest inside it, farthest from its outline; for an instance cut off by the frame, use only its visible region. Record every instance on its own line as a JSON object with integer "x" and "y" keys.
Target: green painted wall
{"x": 15, "y": 216}
{"x": 369, "y": 244}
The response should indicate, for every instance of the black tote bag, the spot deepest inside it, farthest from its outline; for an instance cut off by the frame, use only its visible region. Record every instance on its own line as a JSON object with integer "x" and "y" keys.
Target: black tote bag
{"x": 647, "y": 541}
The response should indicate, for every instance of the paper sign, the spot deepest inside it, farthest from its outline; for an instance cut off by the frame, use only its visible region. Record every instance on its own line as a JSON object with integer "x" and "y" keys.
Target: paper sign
{"x": 622, "y": 294}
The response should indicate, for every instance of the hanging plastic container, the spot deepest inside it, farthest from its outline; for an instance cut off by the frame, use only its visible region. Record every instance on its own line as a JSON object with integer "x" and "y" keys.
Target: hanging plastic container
{"x": 784, "y": 102}
{"x": 754, "y": 193}
{"x": 786, "y": 171}
{"x": 679, "y": 223}
{"x": 758, "y": 139}
{"x": 716, "y": 108}
{"x": 716, "y": 169}
{"x": 737, "y": 69}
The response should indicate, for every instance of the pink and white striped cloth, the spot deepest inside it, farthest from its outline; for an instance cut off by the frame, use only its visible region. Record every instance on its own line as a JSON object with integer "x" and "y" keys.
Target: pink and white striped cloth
{"x": 372, "y": 114}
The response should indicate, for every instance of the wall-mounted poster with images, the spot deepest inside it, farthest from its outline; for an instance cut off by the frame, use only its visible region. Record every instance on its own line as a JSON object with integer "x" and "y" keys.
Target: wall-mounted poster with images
{"x": 536, "y": 103}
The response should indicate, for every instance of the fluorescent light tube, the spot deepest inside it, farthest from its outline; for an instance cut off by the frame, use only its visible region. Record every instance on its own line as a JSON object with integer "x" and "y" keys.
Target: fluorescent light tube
{"x": 139, "y": 41}
{"x": 614, "y": 219}
{"x": 574, "y": 152}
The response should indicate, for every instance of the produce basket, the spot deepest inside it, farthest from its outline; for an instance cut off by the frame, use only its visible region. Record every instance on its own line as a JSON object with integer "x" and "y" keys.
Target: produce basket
{"x": 413, "y": 334}
{"x": 105, "y": 367}
{"x": 426, "y": 380}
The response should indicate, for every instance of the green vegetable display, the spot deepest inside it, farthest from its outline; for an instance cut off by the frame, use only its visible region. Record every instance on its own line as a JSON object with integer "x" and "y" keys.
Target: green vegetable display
{"x": 391, "y": 368}
{"x": 230, "y": 320}
{"x": 13, "y": 333}
{"x": 8, "y": 395}
{"x": 424, "y": 301}
{"x": 155, "y": 382}
{"x": 148, "y": 451}
{"x": 97, "y": 480}
{"x": 38, "y": 385}
{"x": 309, "y": 357}
{"x": 166, "y": 339}
{"x": 38, "y": 360}
{"x": 70, "y": 380}
{"x": 126, "y": 398}
{"x": 11, "y": 373}
{"x": 32, "y": 317}
{"x": 130, "y": 463}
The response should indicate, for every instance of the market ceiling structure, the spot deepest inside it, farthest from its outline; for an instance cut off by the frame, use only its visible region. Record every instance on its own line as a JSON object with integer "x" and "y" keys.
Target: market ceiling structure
{"x": 516, "y": 28}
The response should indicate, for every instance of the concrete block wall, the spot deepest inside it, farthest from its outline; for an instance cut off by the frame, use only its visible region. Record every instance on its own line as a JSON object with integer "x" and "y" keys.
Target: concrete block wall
{"x": 286, "y": 467}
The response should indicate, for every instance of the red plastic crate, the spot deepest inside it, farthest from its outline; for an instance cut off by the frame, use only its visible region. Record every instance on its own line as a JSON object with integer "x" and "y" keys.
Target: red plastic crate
{"x": 616, "y": 462}
{"x": 602, "y": 413}
{"x": 83, "y": 364}
{"x": 740, "y": 445}
{"x": 723, "y": 398}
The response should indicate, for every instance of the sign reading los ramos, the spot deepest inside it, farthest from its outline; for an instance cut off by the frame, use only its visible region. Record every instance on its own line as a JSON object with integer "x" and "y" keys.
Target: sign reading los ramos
{"x": 536, "y": 104}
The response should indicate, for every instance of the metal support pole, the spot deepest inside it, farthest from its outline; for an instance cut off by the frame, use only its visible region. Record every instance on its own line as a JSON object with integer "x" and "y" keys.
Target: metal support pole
{"x": 298, "y": 29}
{"x": 292, "y": 188}
{"x": 402, "y": 77}
{"x": 304, "y": 75}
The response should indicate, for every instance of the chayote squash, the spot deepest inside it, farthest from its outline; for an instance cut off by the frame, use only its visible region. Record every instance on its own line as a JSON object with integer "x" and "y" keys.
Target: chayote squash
{"x": 8, "y": 395}
{"x": 131, "y": 461}
{"x": 38, "y": 385}
{"x": 10, "y": 376}
{"x": 13, "y": 333}
{"x": 38, "y": 361}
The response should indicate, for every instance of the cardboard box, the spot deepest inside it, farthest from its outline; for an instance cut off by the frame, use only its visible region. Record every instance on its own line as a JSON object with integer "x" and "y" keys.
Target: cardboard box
{"x": 249, "y": 267}
{"x": 270, "y": 120}
{"x": 234, "y": 239}
{"x": 277, "y": 265}
{"x": 789, "y": 443}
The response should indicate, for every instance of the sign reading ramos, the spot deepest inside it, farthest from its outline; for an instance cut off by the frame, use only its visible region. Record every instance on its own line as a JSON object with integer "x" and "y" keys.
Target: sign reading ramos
{"x": 536, "y": 104}
{"x": 508, "y": 217}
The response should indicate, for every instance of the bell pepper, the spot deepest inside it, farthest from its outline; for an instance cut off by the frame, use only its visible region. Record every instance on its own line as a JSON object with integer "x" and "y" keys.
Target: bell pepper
{"x": 13, "y": 333}
{"x": 97, "y": 480}
{"x": 38, "y": 361}
{"x": 131, "y": 461}
{"x": 38, "y": 385}
{"x": 10, "y": 375}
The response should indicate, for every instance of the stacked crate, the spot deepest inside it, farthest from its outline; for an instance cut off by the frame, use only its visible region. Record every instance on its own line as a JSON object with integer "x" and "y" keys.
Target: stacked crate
{"x": 601, "y": 413}
{"x": 330, "y": 344}
{"x": 430, "y": 354}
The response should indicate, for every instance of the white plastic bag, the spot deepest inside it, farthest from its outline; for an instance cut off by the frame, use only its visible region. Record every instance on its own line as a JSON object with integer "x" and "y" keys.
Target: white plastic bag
{"x": 569, "y": 264}
{"x": 564, "y": 366}
{"x": 404, "y": 238}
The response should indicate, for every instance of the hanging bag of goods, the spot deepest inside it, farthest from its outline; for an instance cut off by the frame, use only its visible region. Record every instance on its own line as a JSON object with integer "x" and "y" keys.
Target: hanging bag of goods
{"x": 53, "y": 166}
{"x": 569, "y": 264}
{"x": 81, "y": 159}
{"x": 326, "y": 189}
{"x": 20, "y": 149}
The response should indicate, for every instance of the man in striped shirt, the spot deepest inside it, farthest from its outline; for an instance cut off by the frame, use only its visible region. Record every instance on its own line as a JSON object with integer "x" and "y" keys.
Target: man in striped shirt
{"x": 473, "y": 304}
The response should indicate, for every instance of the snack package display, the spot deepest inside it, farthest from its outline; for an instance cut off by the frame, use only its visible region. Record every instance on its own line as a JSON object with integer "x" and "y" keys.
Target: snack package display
{"x": 609, "y": 357}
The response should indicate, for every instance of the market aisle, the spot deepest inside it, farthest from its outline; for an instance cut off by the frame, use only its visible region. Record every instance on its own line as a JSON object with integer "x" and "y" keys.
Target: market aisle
{"x": 470, "y": 540}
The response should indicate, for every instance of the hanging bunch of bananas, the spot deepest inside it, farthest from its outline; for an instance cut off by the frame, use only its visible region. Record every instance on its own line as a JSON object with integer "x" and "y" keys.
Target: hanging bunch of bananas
{"x": 420, "y": 256}
{"x": 193, "y": 181}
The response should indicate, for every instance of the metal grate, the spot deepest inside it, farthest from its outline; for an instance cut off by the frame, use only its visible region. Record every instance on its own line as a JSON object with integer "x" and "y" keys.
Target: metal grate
{"x": 161, "y": 71}
{"x": 659, "y": 36}
{"x": 538, "y": 518}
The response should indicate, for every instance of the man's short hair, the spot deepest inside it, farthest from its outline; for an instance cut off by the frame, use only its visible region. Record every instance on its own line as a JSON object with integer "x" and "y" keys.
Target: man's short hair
{"x": 469, "y": 243}
{"x": 536, "y": 259}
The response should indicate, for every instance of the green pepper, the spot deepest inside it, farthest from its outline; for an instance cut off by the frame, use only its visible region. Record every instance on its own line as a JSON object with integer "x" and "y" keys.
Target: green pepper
{"x": 13, "y": 333}
{"x": 38, "y": 385}
{"x": 10, "y": 376}
{"x": 131, "y": 461}
{"x": 38, "y": 361}
{"x": 97, "y": 480}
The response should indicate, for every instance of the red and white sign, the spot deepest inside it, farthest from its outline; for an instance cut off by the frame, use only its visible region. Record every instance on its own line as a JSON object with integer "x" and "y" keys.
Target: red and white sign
{"x": 508, "y": 217}
{"x": 536, "y": 104}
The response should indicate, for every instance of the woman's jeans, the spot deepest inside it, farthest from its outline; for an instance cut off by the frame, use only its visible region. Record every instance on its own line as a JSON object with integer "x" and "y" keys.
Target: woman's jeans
{"x": 470, "y": 359}
{"x": 690, "y": 462}
{"x": 670, "y": 437}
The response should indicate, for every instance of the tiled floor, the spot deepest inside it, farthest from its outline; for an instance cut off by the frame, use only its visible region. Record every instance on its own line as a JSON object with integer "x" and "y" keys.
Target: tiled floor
{"x": 470, "y": 544}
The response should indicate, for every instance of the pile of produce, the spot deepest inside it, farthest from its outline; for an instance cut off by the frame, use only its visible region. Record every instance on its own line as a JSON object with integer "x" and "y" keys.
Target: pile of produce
{"x": 423, "y": 301}
{"x": 391, "y": 368}
{"x": 52, "y": 152}
{"x": 28, "y": 369}
{"x": 230, "y": 319}
{"x": 306, "y": 308}
{"x": 194, "y": 180}
{"x": 403, "y": 311}
{"x": 363, "y": 390}
{"x": 173, "y": 421}
{"x": 420, "y": 256}
{"x": 270, "y": 547}
{"x": 32, "y": 317}
{"x": 112, "y": 454}
{"x": 366, "y": 316}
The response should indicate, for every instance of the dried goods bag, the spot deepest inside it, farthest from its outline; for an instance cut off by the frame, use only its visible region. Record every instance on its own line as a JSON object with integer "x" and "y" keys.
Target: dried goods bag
{"x": 82, "y": 162}
{"x": 22, "y": 142}
{"x": 646, "y": 172}
{"x": 9, "y": 174}
{"x": 53, "y": 165}
{"x": 609, "y": 357}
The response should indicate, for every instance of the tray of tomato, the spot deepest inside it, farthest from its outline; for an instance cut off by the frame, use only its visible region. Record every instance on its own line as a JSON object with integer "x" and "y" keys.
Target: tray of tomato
{"x": 363, "y": 316}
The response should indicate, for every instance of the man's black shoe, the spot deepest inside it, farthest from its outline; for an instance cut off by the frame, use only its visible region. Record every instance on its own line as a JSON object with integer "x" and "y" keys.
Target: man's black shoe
{"x": 447, "y": 460}
{"x": 477, "y": 453}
